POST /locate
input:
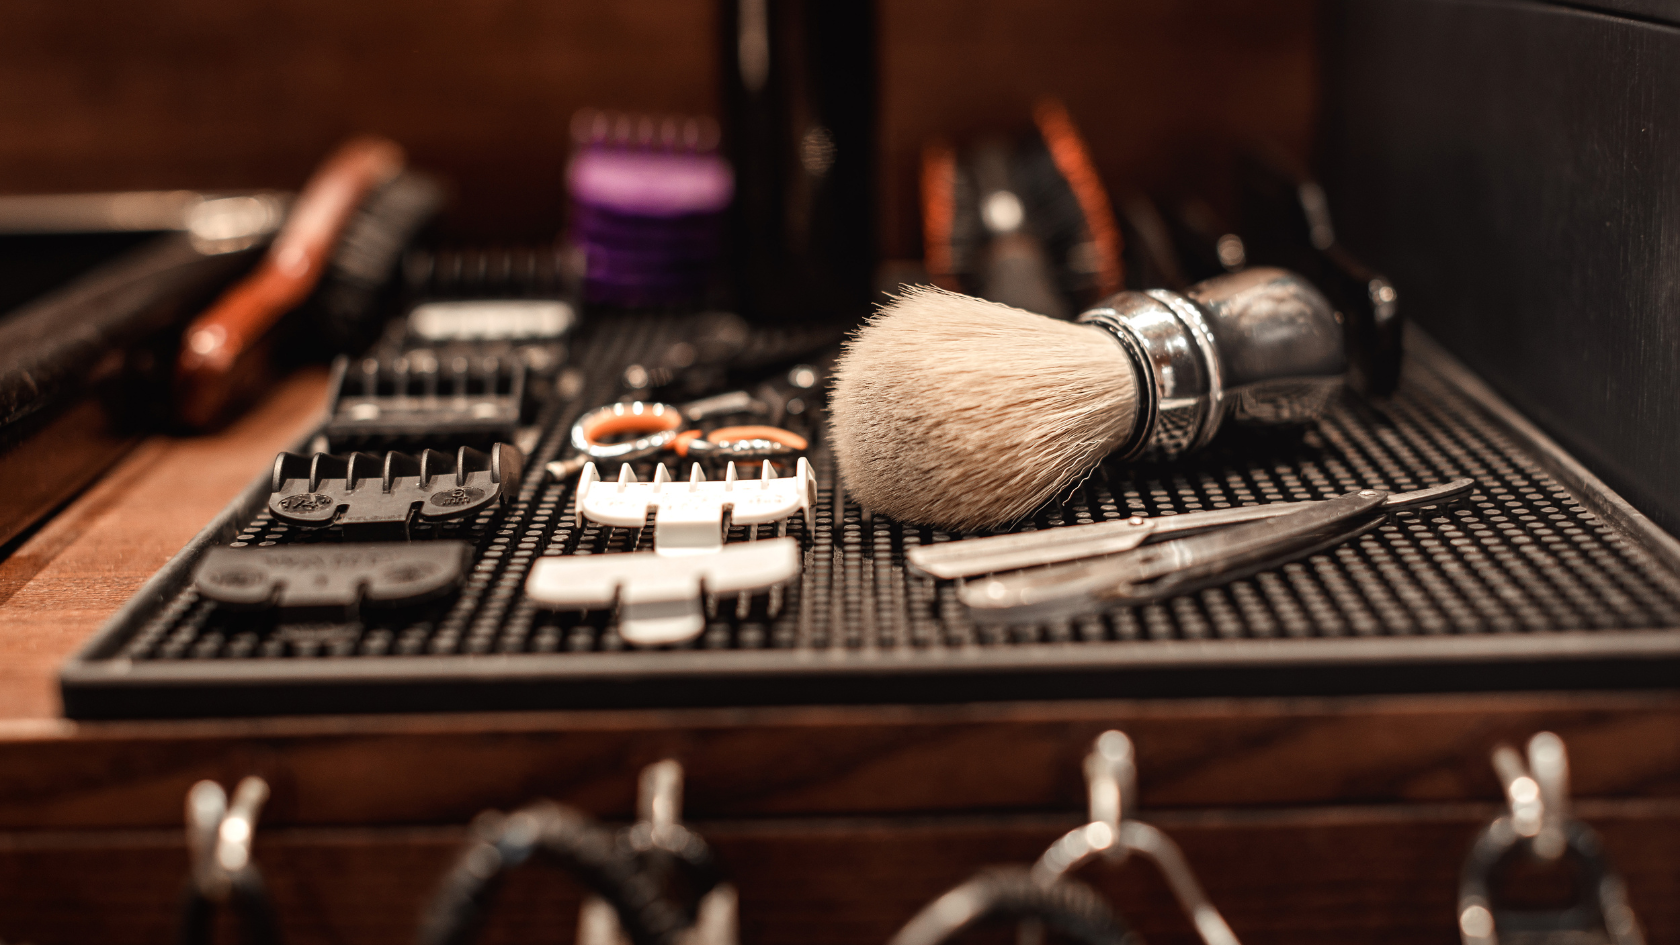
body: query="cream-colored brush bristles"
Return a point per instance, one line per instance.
(953, 411)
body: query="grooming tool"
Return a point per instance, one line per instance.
(657, 427)
(222, 349)
(648, 196)
(332, 576)
(1286, 222)
(1024, 222)
(1095, 262)
(952, 411)
(346, 308)
(220, 833)
(81, 361)
(524, 320)
(1174, 567)
(532, 331)
(1014, 267)
(508, 304)
(534, 272)
(217, 223)
(387, 403)
(1536, 827)
(368, 495)
(660, 598)
(691, 514)
(999, 553)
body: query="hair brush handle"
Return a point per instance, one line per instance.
(1260, 346)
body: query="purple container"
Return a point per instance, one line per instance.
(648, 223)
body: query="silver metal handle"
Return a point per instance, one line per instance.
(999, 553)
(1165, 569)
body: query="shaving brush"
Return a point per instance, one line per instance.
(952, 411)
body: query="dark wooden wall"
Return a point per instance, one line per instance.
(242, 93)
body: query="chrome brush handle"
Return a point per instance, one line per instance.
(1260, 346)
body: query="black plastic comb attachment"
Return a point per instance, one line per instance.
(334, 577)
(422, 397)
(371, 496)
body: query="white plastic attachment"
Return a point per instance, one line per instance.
(491, 319)
(660, 597)
(689, 515)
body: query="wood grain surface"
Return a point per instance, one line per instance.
(834, 760)
(1292, 877)
(61, 584)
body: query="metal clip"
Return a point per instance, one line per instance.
(661, 841)
(1111, 783)
(363, 491)
(219, 836)
(1537, 823)
(660, 598)
(690, 515)
(1048, 897)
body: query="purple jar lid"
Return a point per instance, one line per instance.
(651, 183)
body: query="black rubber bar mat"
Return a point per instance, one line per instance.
(1542, 578)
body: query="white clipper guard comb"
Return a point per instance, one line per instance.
(690, 514)
(659, 593)
(659, 598)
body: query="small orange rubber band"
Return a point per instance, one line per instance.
(650, 422)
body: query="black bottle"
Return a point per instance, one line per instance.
(799, 127)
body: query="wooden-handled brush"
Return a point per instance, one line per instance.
(953, 411)
(223, 346)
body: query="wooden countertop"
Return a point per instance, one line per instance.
(71, 575)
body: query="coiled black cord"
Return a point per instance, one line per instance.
(678, 861)
(561, 837)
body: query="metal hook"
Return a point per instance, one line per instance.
(659, 799)
(1537, 792)
(1537, 817)
(1111, 782)
(219, 838)
(1548, 765)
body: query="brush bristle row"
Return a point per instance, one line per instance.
(952, 411)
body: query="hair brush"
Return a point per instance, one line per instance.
(1022, 221)
(953, 411)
